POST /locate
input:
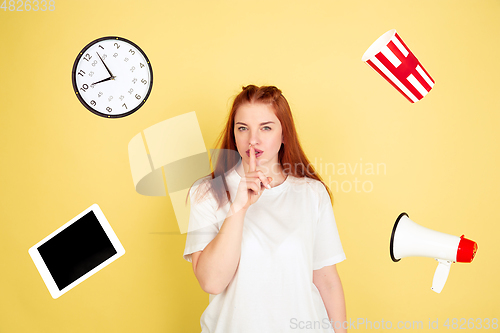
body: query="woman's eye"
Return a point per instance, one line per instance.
(267, 128)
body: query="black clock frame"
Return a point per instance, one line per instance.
(75, 87)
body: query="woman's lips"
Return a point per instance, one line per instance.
(257, 152)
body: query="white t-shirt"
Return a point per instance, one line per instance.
(289, 232)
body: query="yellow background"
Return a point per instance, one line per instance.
(440, 154)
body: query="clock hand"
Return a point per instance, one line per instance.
(111, 74)
(109, 78)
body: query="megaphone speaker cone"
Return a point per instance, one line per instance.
(393, 237)
(410, 239)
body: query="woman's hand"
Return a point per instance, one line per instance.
(252, 185)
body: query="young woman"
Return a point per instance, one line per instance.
(262, 235)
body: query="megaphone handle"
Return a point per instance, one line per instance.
(441, 275)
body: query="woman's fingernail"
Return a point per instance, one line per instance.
(268, 186)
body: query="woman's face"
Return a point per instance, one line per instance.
(257, 124)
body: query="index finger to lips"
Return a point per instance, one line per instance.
(253, 163)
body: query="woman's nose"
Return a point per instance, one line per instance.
(254, 139)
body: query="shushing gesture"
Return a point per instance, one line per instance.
(252, 184)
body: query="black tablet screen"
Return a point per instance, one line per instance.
(76, 250)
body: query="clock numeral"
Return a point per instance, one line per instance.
(132, 69)
(84, 87)
(137, 96)
(115, 55)
(144, 81)
(117, 46)
(126, 59)
(110, 98)
(101, 47)
(109, 109)
(91, 74)
(132, 51)
(99, 94)
(142, 65)
(130, 91)
(104, 56)
(121, 97)
(94, 63)
(134, 80)
(81, 72)
(93, 103)
(87, 57)
(125, 105)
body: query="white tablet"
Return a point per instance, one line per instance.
(75, 251)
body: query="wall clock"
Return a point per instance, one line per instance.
(112, 77)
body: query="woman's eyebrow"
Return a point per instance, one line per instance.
(265, 123)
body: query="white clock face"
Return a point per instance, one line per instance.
(112, 77)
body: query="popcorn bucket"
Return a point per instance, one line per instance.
(392, 59)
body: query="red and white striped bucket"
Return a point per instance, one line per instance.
(392, 59)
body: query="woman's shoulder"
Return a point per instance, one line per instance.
(201, 188)
(311, 183)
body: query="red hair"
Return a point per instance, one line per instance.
(290, 153)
